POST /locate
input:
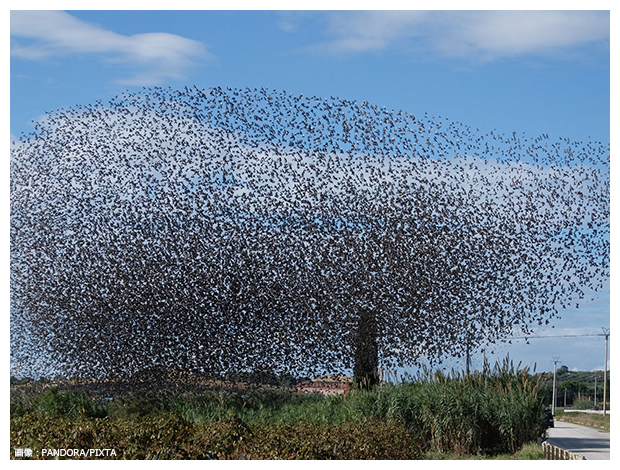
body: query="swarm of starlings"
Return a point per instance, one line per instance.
(225, 230)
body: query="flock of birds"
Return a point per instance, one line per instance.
(229, 230)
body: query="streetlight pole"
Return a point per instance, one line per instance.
(555, 366)
(606, 332)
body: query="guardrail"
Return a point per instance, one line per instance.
(556, 453)
(599, 412)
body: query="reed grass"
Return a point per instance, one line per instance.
(454, 413)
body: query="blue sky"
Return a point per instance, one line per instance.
(533, 72)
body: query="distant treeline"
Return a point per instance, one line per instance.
(573, 387)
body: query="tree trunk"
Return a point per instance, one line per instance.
(366, 366)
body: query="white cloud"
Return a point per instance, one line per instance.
(482, 35)
(367, 31)
(493, 34)
(289, 21)
(38, 35)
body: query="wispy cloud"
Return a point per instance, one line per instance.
(373, 30)
(479, 35)
(153, 57)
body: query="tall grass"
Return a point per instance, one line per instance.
(53, 402)
(495, 412)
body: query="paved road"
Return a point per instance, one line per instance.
(587, 442)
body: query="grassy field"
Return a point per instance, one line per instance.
(585, 419)
(434, 416)
(531, 451)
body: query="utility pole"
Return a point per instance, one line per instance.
(594, 389)
(555, 366)
(606, 332)
(467, 359)
(565, 398)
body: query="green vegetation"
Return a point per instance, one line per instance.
(577, 388)
(597, 421)
(531, 451)
(431, 416)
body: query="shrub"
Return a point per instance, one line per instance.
(583, 405)
(231, 438)
(491, 413)
(68, 404)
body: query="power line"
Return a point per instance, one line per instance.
(552, 336)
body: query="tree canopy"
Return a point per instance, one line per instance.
(229, 229)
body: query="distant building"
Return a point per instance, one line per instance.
(335, 384)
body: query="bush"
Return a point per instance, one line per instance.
(583, 405)
(231, 438)
(476, 413)
(352, 441)
(68, 404)
(140, 405)
(491, 413)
